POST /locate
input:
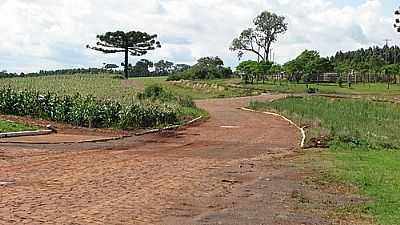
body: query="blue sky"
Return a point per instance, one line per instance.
(48, 34)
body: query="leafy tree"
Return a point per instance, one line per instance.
(136, 43)
(110, 66)
(391, 71)
(253, 70)
(259, 39)
(180, 68)
(308, 65)
(210, 61)
(376, 63)
(205, 68)
(142, 67)
(163, 68)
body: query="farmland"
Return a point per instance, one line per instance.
(111, 87)
(364, 142)
(283, 86)
(191, 120)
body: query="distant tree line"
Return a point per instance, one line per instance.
(146, 68)
(5, 74)
(390, 55)
(205, 68)
(143, 68)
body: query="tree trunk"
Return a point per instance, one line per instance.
(126, 70)
(268, 51)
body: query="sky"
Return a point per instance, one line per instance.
(47, 34)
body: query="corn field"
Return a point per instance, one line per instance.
(86, 111)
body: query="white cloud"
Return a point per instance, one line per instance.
(47, 34)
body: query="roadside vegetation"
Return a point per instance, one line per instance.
(153, 108)
(364, 141)
(8, 126)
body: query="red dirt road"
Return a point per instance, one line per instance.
(223, 171)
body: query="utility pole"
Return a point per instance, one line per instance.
(387, 41)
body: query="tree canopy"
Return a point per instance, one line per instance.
(135, 43)
(205, 68)
(163, 67)
(259, 39)
(250, 70)
(307, 65)
(397, 21)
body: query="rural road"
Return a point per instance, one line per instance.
(223, 171)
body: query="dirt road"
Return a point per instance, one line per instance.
(223, 171)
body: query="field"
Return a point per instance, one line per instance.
(363, 135)
(363, 151)
(110, 90)
(376, 89)
(111, 87)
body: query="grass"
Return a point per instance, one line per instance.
(379, 89)
(206, 89)
(369, 158)
(8, 126)
(359, 122)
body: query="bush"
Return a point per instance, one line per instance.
(312, 90)
(156, 92)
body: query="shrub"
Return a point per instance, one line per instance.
(312, 90)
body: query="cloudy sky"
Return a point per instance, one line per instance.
(49, 34)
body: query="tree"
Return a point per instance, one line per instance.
(397, 21)
(142, 67)
(276, 70)
(180, 68)
(258, 40)
(110, 66)
(135, 43)
(253, 70)
(391, 71)
(163, 67)
(210, 61)
(295, 70)
(205, 68)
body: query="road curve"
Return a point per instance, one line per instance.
(213, 173)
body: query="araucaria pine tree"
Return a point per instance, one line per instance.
(135, 43)
(397, 24)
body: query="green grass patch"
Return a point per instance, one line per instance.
(206, 89)
(378, 89)
(8, 126)
(364, 151)
(359, 122)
